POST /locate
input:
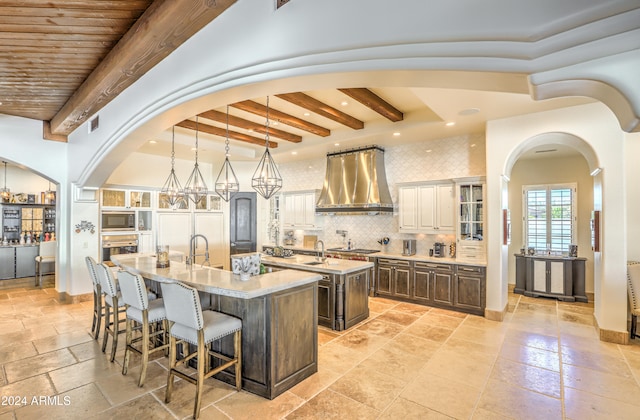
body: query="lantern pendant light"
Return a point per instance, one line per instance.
(227, 182)
(5, 193)
(49, 195)
(172, 190)
(196, 188)
(266, 179)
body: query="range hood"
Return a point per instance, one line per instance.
(355, 183)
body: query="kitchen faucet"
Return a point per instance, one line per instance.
(316, 248)
(192, 250)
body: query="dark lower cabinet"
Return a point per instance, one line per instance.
(432, 283)
(450, 286)
(356, 298)
(394, 277)
(470, 293)
(326, 301)
(343, 299)
(560, 278)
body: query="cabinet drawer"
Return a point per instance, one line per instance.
(468, 269)
(434, 266)
(397, 263)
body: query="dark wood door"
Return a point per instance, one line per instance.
(243, 235)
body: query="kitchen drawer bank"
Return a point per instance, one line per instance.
(439, 282)
(278, 312)
(342, 292)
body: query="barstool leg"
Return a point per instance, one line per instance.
(116, 329)
(100, 310)
(172, 366)
(202, 355)
(237, 349)
(107, 320)
(128, 340)
(145, 347)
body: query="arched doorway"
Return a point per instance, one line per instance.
(553, 161)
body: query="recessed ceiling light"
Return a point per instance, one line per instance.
(469, 111)
(294, 153)
(152, 141)
(428, 150)
(396, 134)
(344, 103)
(336, 144)
(450, 124)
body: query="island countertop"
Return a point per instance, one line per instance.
(214, 280)
(309, 263)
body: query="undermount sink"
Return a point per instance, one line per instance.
(313, 263)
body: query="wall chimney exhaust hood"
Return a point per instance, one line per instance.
(355, 183)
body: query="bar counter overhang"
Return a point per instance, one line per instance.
(278, 312)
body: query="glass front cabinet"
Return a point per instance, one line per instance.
(471, 223)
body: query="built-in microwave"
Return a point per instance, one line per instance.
(118, 221)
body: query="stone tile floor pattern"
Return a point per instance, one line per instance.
(405, 362)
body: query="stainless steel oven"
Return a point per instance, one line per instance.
(118, 244)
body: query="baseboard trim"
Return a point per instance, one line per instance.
(499, 316)
(67, 298)
(610, 336)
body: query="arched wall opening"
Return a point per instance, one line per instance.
(29, 190)
(573, 163)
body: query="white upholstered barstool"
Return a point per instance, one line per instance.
(633, 291)
(113, 308)
(188, 323)
(46, 254)
(98, 304)
(146, 314)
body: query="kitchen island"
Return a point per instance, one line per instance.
(278, 312)
(342, 292)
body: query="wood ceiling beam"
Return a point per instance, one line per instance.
(376, 103)
(281, 117)
(307, 102)
(217, 131)
(152, 38)
(234, 121)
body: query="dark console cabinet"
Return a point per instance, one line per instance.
(548, 276)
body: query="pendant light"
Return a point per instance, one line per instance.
(196, 188)
(227, 182)
(49, 195)
(266, 179)
(5, 193)
(172, 190)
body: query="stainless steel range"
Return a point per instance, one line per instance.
(357, 254)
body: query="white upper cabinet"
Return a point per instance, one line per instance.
(299, 210)
(471, 223)
(126, 199)
(426, 208)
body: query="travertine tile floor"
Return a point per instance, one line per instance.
(405, 362)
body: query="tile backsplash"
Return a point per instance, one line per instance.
(454, 157)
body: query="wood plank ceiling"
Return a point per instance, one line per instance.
(61, 61)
